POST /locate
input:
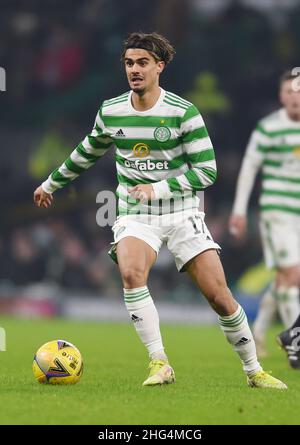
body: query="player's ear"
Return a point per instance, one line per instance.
(160, 66)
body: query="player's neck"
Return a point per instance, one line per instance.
(294, 116)
(147, 100)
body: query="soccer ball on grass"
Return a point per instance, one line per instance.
(58, 362)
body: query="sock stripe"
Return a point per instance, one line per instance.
(233, 325)
(141, 294)
(236, 321)
(132, 300)
(133, 295)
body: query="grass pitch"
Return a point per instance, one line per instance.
(211, 387)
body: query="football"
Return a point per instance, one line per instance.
(58, 362)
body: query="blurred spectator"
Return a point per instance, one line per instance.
(24, 264)
(61, 61)
(74, 265)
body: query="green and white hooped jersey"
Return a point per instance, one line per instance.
(275, 143)
(167, 145)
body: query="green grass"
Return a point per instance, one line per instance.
(210, 388)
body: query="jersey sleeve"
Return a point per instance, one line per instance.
(200, 157)
(251, 163)
(87, 152)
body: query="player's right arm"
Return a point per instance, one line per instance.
(93, 147)
(251, 163)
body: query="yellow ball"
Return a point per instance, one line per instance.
(58, 362)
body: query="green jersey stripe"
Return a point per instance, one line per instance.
(169, 102)
(174, 185)
(202, 156)
(281, 178)
(211, 173)
(74, 167)
(190, 113)
(142, 121)
(277, 148)
(133, 202)
(272, 163)
(60, 179)
(268, 207)
(193, 179)
(283, 132)
(105, 104)
(156, 203)
(128, 144)
(289, 194)
(118, 97)
(177, 100)
(132, 182)
(175, 96)
(198, 133)
(80, 149)
(95, 143)
(98, 129)
(121, 97)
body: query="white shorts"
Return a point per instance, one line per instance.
(281, 240)
(185, 234)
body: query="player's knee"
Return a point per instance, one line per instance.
(220, 299)
(133, 277)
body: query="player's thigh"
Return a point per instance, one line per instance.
(280, 240)
(135, 254)
(207, 272)
(136, 243)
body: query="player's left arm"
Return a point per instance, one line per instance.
(200, 156)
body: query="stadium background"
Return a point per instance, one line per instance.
(62, 59)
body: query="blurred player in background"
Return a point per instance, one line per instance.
(274, 147)
(163, 156)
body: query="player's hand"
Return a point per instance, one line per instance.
(42, 198)
(238, 226)
(142, 192)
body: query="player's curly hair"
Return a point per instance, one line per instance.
(154, 43)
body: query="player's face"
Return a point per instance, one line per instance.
(142, 70)
(290, 98)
